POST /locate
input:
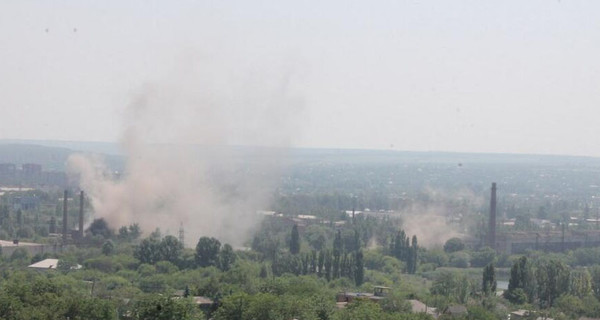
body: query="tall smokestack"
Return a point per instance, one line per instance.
(64, 235)
(492, 223)
(81, 214)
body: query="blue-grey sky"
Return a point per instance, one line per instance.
(474, 76)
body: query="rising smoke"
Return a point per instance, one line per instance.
(443, 215)
(178, 168)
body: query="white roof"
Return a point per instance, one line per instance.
(49, 264)
(45, 264)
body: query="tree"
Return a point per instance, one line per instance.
(359, 273)
(226, 257)
(148, 251)
(337, 252)
(134, 231)
(595, 273)
(170, 249)
(453, 245)
(108, 247)
(489, 280)
(207, 252)
(580, 284)
(552, 280)
(100, 227)
(316, 235)
(483, 257)
(295, 240)
(411, 261)
(166, 308)
(522, 281)
(123, 233)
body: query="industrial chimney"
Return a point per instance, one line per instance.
(492, 223)
(81, 214)
(64, 231)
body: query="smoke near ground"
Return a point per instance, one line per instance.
(178, 171)
(444, 215)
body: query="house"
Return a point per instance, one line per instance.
(455, 310)
(518, 314)
(379, 293)
(48, 264)
(419, 307)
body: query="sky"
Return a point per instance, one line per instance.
(464, 76)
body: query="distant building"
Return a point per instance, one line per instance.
(553, 241)
(8, 247)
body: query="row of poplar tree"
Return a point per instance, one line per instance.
(329, 263)
(403, 249)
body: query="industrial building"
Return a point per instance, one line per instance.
(517, 242)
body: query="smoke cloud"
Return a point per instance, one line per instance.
(442, 215)
(178, 170)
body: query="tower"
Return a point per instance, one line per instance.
(65, 225)
(492, 223)
(181, 234)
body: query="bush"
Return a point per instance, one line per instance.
(454, 245)
(460, 260)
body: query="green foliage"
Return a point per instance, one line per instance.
(295, 240)
(148, 251)
(483, 257)
(359, 274)
(595, 278)
(522, 278)
(489, 280)
(454, 245)
(580, 283)
(207, 252)
(170, 249)
(460, 259)
(316, 236)
(226, 257)
(552, 278)
(452, 285)
(108, 247)
(166, 308)
(99, 227)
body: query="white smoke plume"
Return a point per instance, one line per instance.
(177, 168)
(444, 215)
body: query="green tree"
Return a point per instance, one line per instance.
(123, 233)
(100, 227)
(108, 247)
(521, 277)
(454, 245)
(552, 280)
(295, 240)
(580, 283)
(148, 251)
(359, 273)
(337, 253)
(226, 257)
(207, 252)
(595, 274)
(134, 231)
(158, 307)
(170, 249)
(316, 236)
(489, 280)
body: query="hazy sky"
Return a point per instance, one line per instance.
(477, 76)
